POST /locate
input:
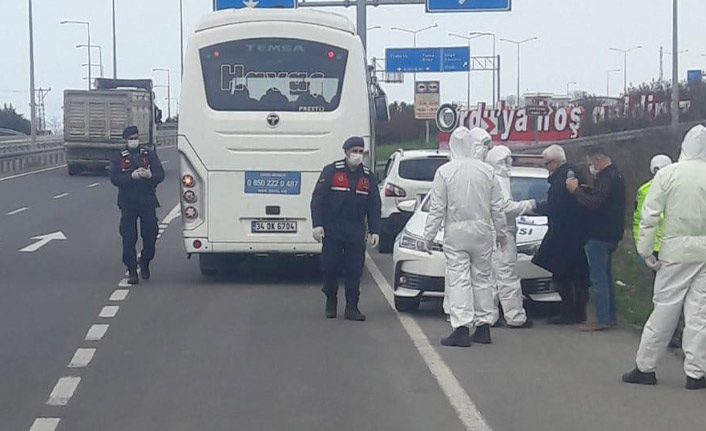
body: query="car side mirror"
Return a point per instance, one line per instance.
(407, 206)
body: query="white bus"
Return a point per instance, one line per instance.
(269, 97)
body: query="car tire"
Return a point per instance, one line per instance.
(407, 305)
(387, 243)
(74, 169)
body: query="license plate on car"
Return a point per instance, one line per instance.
(274, 227)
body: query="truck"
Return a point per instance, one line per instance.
(94, 121)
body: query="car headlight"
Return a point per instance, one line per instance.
(530, 248)
(413, 242)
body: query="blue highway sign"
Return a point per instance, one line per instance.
(414, 60)
(469, 5)
(254, 4)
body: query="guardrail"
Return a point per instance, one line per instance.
(24, 147)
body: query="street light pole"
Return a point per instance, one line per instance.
(607, 91)
(625, 63)
(100, 55)
(495, 57)
(468, 39)
(181, 35)
(519, 44)
(32, 101)
(169, 89)
(675, 65)
(88, 27)
(115, 49)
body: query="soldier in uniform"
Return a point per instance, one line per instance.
(344, 208)
(136, 173)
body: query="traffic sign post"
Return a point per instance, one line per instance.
(427, 99)
(440, 6)
(254, 4)
(416, 60)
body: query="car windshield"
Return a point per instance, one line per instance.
(421, 169)
(523, 188)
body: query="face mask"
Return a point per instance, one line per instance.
(355, 159)
(593, 170)
(132, 144)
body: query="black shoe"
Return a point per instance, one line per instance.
(562, 321)
(460, 337)
(695, 384)
(500, 323)
(639, 378)
(132, 276)
(482, 335)
(528, 324)
(331, 307)
(352, 313)
(145, 271)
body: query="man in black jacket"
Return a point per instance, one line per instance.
(562, 250)
(345, 198)
(605, 202)
(136, 172)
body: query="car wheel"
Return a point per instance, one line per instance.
(74, 169)
(407, 305)
(387, 243)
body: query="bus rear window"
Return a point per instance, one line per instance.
(273, 74)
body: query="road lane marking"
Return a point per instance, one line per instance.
(123, 282)
(43, 240)
(96, 332)
(63, 391)
(82, 358)
(90, 186)
(466, 410)
(163, 225)
(119, 295)
(17, 211)
(166, 162)
(62, 195)
(45, 424)
(32, 173)
(109, 311)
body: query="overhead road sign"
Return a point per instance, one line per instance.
(254, 4)
(694, 76)
(417, 60)
(440, 6)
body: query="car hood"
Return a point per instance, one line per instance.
(530, 229)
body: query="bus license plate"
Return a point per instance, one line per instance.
(273, 183)
(274, 227)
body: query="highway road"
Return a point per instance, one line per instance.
(79, 351)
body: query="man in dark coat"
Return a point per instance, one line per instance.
(562, 251)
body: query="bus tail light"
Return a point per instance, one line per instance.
(190, 196)
(393, 191)
(191, 213)
(197, 244)
(188, 181)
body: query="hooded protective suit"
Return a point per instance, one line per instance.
(679, 193)
(483, 142)
(508, 289)
(466, 197)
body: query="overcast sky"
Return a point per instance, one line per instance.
(575, 37)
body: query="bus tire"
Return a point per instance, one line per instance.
(207, 265)
(74, 169)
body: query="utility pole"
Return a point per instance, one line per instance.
(675, 65)
(41, 108)
(661, 64)
(362, 22)
(32, 103)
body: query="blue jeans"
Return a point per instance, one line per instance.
(600, 259)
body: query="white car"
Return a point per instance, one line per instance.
(420, 276)
(408, 176)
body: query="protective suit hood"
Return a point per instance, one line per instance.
(694, 145)
(462, 144)
(497, 159)
(479, 136)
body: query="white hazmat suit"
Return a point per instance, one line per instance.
(466, 197)
(508, 289)
(679, 193)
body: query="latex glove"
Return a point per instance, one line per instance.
(374, 240)
(502, 242)
(146, 174)
(319, 233)
(572, 184)
(652, 263)
(426, 247)
(136, 174)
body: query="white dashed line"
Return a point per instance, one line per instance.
(17, 211)
(63, 195)
(166, 162)
(96, 332)
(82, 358)
(163, 225)
(90, 186)
(32, 173)
(119, 295)
(123, 282)
(466, 410)
(109, 311)
(45, 424)
(63, 391)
